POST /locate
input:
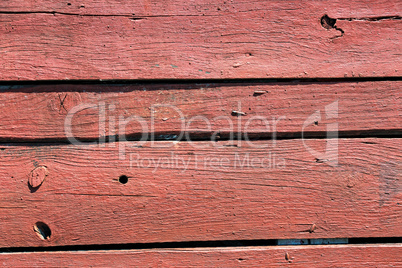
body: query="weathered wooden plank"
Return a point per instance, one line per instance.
(41, 112)
(50, 40)
(382, 255)
(183, 191)
(337, 8)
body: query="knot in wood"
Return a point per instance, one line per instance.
(37, 176)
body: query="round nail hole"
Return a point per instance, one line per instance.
(123, 179)
(42, 230)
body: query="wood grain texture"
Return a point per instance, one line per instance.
(51, 40)
(182, 191)
(40, 112)
(299, 256)
(354, 8)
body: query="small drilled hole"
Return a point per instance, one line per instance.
(42, 230)
(123, 179)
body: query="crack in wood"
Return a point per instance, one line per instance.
(130, 16)
(330, 23)
(372, 18)
(62, 102)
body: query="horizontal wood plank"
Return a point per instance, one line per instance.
(41, 112)
(52, 40)
(202, 191)
(289, 256)
(337, 8)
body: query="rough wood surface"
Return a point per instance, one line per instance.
(354, 8)
(53, 40)
(181, 191)
(40, 112)
(283, 256)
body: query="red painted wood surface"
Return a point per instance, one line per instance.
(355, 8)
(298, 256)
(40, 112)
(57, 194)
(200, 191)
(52, 40)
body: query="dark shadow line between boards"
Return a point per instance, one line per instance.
(207, 137)
(166, 84)
(191, 245)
